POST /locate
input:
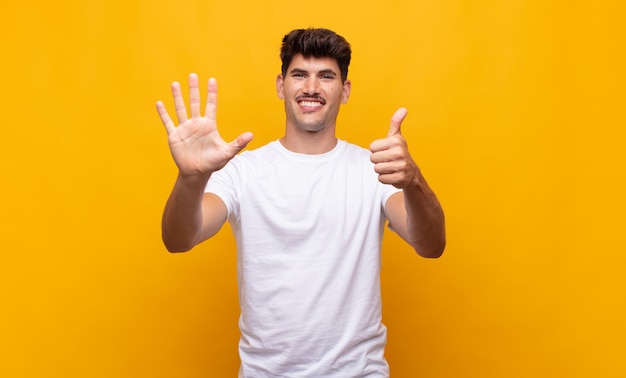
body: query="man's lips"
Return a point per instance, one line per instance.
(309, 102)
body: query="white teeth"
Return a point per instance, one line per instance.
(310, 103)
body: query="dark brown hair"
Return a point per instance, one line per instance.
(318, 43)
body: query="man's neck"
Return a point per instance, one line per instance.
(309, 142)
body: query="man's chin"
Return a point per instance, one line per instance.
(311, 127)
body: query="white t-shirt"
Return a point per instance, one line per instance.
(309, 231)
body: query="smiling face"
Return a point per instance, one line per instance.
(312, 90)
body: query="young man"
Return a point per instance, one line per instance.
(308, 214)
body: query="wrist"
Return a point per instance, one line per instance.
(416, 184)
(193, 180)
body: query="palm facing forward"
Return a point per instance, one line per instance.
(195, 144)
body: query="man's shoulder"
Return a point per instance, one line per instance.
(355, 152)
(256, 153)
(355, 148)
(265, 148)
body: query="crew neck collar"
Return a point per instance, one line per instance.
(339, 147)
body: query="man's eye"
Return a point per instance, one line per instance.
(299, 74)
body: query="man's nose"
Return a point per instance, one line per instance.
(311, 86)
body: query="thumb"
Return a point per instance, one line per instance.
(396, 121)
(241, 142)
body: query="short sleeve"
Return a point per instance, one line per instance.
(224, 184)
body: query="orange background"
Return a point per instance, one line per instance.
(517, 118)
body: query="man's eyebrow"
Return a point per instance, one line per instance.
(328, 71)
(297, 70)
(325, 71)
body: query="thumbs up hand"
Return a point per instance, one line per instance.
(391, 157)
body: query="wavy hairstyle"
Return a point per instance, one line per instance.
(318, 43)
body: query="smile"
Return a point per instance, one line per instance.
(310, 104)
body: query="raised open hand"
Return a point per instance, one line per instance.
(195, 144)
(391, 157)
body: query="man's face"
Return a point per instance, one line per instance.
(312, 91)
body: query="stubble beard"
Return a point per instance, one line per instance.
(315, 125)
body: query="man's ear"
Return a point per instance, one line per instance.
(279, 87)
(347, 86)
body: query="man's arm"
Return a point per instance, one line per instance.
(415, 214)
(190, 215)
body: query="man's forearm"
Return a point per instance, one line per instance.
(425, 219)
(182, 217)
